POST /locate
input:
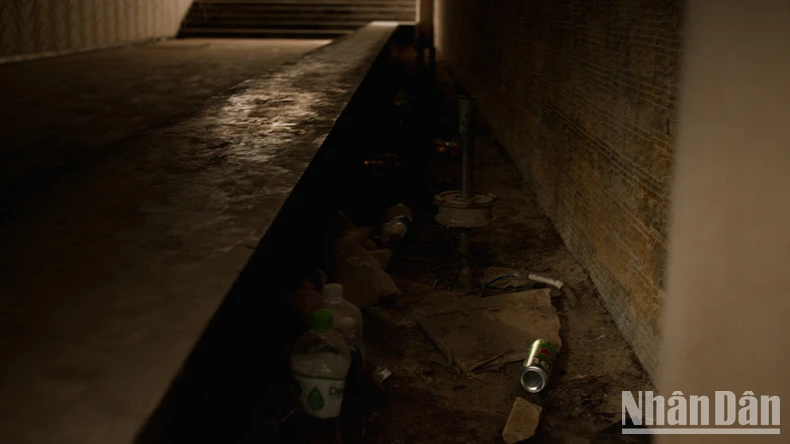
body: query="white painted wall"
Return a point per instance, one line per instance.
(728, 300)
(35, 28)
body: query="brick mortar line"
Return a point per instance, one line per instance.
(605, 72)
(635, 222)
(651, 234)
(650, 135)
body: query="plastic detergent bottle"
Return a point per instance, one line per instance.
(347, 318)
(319, 364)
(348, 323)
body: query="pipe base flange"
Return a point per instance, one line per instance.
(458, 212)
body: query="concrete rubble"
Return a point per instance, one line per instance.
(354, 262)
(364, 281)
(522, 421)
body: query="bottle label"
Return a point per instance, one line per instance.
(320, 397)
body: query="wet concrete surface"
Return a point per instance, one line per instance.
(130, 205)
(56, 112)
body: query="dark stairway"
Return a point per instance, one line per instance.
(290, 18)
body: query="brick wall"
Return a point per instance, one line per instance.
(583, 94)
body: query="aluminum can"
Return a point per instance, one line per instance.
(536, 369)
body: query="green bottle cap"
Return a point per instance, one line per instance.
(322, 319)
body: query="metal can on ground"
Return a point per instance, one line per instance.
(536, 369)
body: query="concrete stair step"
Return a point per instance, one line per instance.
(410, 3)
(301, 8)
(290, 17)
(340, 9)
(350, 16)
(252, 24)
(262, 21)
(265, 33)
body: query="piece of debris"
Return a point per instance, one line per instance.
(522, 421)
(374, 416)
(475, 376)
(369, 245)
(578, 377)
(380, 376)
(353, 264)
(344, 239)
(349, 244)
(395, 225)
(426, 375)
(471, 331)
(364, 280)
(383, 257)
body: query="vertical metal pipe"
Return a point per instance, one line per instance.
(466, 118)
(465, 268)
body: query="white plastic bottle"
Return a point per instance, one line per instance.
(347, 317)
(319, 364)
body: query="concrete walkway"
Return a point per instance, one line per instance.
(135, 187)
(55, 113)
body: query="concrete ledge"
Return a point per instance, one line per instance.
(100, 308)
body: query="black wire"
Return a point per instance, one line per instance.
(457, 272)
(484, 285)
(458, 267)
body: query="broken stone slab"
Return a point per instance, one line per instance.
(522, 421)
(472, 331)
